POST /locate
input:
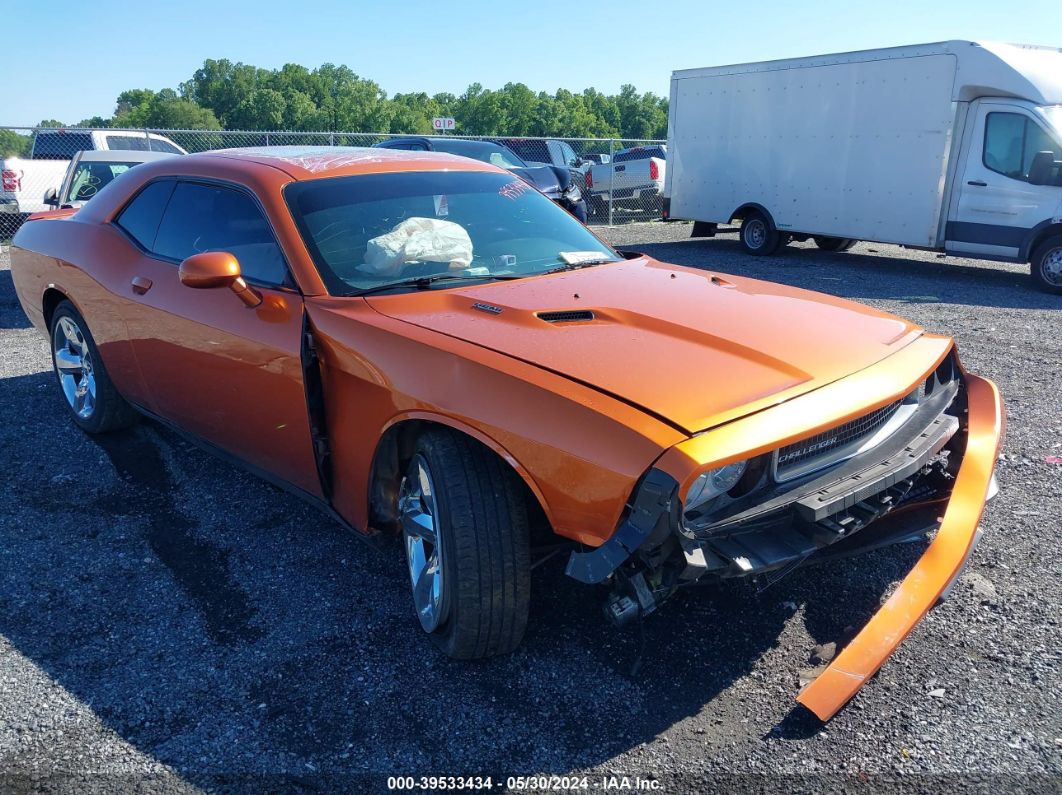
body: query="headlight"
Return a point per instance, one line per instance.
(713, 483)
(573, 194)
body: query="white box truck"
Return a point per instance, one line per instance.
(954, 146)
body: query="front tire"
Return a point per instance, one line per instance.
(835, 243)
(465, 532)
(1046, 265)
(758, 235)
(89, 393)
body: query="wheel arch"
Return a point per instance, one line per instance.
(1037, 235)
(743, 212)
(395, 446)
(50, 300)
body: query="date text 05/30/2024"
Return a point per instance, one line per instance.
(608, 783)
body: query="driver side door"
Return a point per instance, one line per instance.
(998, 206)
(229, 374)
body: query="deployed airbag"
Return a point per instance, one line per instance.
(418, 240)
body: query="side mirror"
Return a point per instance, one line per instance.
(1040, 170)
(217, 269)
(51, 197)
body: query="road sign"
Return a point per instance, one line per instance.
(443, 123)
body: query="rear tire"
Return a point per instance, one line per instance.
(1046, 265)
(88, 391)
(758, 235)
(835, 243)
(464, 521)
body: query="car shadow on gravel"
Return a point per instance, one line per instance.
(11, 314)
(224, 628)
(862, 274)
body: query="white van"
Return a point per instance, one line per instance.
(954, 146)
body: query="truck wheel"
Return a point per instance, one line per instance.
(465, 531)
(90, 395)
(834, 243)
(758, 236)
(1046, 265)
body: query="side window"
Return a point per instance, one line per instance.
(212, 218)
(1012, 141)
(1037, 140)
(570, 158)
(91, 178)
(140, 218)
(556, 154)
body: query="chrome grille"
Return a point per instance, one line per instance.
(800, 454)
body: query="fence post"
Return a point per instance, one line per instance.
(267, 139)
(147, 138)
(611, 175)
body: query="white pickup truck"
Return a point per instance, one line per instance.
(633, 180)
(25, 181)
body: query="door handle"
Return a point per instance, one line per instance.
(140, 285)
(978, 183)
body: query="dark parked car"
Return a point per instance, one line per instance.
(554, 181)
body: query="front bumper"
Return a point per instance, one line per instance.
(773, 547)
(935, 571)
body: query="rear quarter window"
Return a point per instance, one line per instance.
(140, 218)
(60, 145)
(641, 153)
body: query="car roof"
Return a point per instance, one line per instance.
(123, 156)
(312, 162)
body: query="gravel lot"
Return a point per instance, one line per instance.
(169, 621)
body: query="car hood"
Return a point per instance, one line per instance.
(542, 177)
(693, 348)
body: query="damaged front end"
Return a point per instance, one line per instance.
(879, 477)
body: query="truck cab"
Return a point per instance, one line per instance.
(1009, 192)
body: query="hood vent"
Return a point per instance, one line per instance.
(567, 316)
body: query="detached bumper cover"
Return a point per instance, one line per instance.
(941, 564)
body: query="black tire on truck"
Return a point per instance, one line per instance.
(834, 243)
(465, 531)
(1046, 265)
(758, 235)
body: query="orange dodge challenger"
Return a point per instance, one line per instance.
(425, 346)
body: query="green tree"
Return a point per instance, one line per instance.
(262, 109)
(131, 100)
(224, 94)
(162, 110)
(521, 107)
(50, 123)
(13, 144)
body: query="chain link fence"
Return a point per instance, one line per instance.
(620, 180)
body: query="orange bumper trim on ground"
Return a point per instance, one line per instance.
(941, 564)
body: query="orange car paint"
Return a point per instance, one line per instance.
(681, 370)
(935, 570)
(808, 414)
(656, 325)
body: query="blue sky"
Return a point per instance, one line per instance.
(70, 60)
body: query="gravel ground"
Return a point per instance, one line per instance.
(169, 622)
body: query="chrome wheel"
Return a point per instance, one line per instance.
(73, 366)
(755, 233)
(424, 553)
(1051, 267)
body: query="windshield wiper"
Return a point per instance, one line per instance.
(424, 282)
(574, 266)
